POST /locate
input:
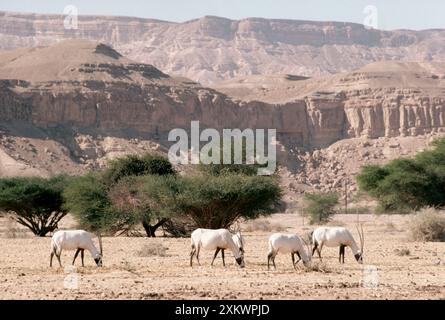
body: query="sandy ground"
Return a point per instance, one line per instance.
(128, 274)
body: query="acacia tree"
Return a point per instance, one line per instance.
(407, 184)
(148, 199)
(218, 201)
(35, 203)
(114, 200)
(321, 207)
(87, 199)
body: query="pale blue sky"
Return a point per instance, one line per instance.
(392, 14)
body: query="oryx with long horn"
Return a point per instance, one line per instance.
(338, 237)
(78, 240)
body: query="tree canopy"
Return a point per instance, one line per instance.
(36, 203)
(407, 184)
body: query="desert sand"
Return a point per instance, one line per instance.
(132, 271)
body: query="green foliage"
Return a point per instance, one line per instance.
(36, 203)
(134, 165)
(231, 168)
(147, 199)
(404, 185)
(218, 201)
(146, 190)
(320, 207)
(116, 199)
(87, 199)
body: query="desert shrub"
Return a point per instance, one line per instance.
(317, 266)
(358, 210)
(263, 225)
(402, 252)
(35, 203)
(320, 207)
(153, 249)
(428, 225)
(179, 226)
(404, 185)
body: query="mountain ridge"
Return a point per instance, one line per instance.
(212, 49)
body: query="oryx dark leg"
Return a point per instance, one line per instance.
(82, 256)
(222, 254)
(341, 257)
(315, 247)
(214, 257)
(299, 257)
(58, 258)
(75, 255)
(197, 254)
(192, 253)
(319, 251)
(269, 257)
(51, 259)
(293, 260)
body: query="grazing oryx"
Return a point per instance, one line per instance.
(338, 237)
(79, 240)
(239, 241)
(219, 239)
(287, 243)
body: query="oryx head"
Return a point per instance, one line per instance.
(359, 255)
(98, 257)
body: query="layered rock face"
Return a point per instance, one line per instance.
(91, 87)
(212, 49)
(84, 86)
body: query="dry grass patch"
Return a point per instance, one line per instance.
(402, 252)
(428, 225)
(317, 267)
(263, 225)
(153, 249)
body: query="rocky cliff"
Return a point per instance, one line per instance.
(73, 105)
(212, 49)
(91, 87)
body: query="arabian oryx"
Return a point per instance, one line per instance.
(219, 239)
(79, 240)
(287, 243)
(338, 237)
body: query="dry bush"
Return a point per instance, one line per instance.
(317, 267)
(13, 231)
(179, 227)
(262, 225)
(428, 225)
(402, 252)
(153, 249)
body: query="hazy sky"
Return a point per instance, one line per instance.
(392, 14)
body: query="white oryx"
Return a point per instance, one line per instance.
(338, 237)
(79, 240)
(239, 241)
(219, 239)
(287, 243)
